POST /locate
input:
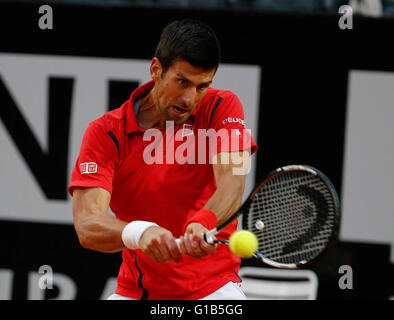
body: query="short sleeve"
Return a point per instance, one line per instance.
(230, 127)
(96, 161)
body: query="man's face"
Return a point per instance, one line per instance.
(179, 90)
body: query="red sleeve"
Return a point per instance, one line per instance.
(96, 161)
(229, 124)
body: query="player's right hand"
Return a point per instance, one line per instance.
(193, 244)
(159, 244)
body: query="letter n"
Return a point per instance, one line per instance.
(48, 167)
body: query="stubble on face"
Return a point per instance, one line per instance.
(166, 104)
(178, 91)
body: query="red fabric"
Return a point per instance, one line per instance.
(205, 217)
(169, 193)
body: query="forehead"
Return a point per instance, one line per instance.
(184, 69)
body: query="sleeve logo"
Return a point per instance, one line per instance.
(88, 167)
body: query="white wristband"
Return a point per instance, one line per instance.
(132, 233)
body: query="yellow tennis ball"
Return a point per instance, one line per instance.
(243, 243)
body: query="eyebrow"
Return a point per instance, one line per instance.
(187, 79)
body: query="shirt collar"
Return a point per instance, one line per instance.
(131, 119)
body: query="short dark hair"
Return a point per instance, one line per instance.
(190, 40)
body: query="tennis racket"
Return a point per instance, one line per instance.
(294, 213)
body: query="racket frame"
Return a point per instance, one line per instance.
(334, 232)
(209, 236)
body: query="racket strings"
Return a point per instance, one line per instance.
(298, 214)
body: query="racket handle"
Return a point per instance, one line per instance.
(178, 241)
(209, 236)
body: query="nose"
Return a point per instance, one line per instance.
(189, 97)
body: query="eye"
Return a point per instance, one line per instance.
(182, 82)
(203, 87)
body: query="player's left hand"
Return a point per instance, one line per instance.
(193, 244)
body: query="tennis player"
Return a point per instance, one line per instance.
(156, 202)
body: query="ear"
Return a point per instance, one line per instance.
(155, 69)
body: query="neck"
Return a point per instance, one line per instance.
(149, 115)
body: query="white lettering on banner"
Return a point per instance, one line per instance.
(109, 288)
(6, 279)
(368, 175)
(67, 288)
(25, 78)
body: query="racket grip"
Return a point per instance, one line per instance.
(208, 237)
(178, 241)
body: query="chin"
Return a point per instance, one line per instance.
(181, 121)
(177, 122)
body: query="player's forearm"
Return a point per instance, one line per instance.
(227, 198)
(96, 229)
(101, 233)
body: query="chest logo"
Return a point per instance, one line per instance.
(187, 130)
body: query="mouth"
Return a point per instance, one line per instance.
(179, 112)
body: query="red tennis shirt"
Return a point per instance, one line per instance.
(164, 176)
